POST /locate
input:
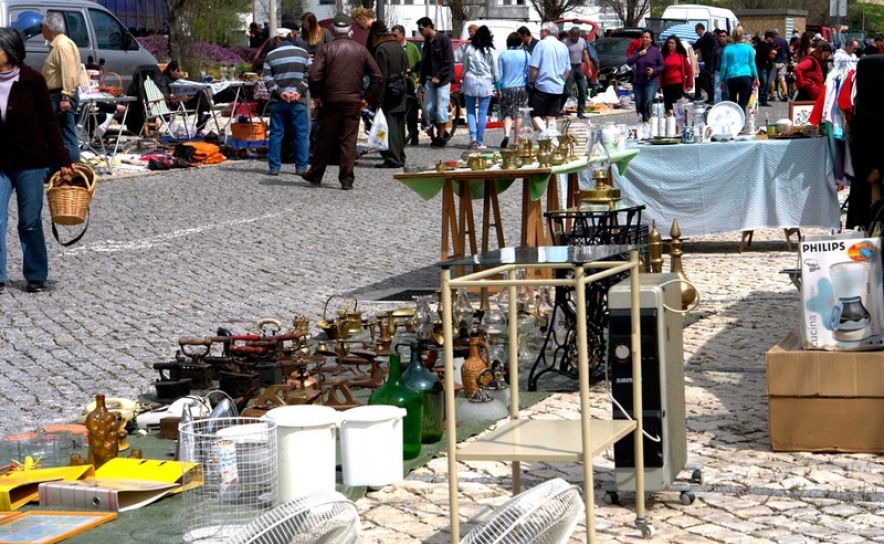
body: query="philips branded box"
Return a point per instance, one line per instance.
(842, 297)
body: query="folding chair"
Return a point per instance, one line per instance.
(158, 117)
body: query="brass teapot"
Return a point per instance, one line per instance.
(347, 322)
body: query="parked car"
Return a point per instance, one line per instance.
(612, 60)
(95, 30)
(588, 29)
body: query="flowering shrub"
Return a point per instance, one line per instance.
(215, 53)
(157, 44)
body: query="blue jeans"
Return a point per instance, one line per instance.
(763, 85)
(67, 122)
(644, 96)
(294, 116)
(436, 102)
(577, 76)
(477, 130)
(28, 187)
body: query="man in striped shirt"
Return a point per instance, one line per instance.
(285, 75)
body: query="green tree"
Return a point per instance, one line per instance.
(210, 21)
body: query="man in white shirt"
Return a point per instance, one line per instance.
(548, 70)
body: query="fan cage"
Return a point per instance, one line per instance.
(238, 457)
(322, 517)
(544, 514)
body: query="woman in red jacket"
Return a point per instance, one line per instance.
(677, 73)
(809, 76)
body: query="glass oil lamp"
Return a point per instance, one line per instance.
(603, 194)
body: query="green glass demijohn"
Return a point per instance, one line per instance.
(419, 378)
(395, 393)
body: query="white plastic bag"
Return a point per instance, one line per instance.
(378, 137)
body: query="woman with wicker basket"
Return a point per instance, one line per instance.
(30, 141)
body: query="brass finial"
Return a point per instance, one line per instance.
(655, 248)
(688, 293)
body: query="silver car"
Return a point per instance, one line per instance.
(93, 28)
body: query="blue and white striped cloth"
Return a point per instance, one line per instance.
(719, 188)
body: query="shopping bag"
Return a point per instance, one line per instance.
(378, 136)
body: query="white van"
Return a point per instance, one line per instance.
(712, 17)
(93, 28)
(500, 29)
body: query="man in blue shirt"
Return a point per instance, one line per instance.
(548, 70)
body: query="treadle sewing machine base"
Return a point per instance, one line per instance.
(584, 227)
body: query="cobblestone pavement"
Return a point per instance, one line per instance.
(184, 252)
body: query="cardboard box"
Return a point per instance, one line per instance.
(825, 400)
(842, 293)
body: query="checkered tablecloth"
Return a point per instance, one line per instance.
(718, 188)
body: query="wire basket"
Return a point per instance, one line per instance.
(544, 514)
(69, 199)
(239, 474)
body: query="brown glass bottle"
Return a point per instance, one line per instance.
(103, 440)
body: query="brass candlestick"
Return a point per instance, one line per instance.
(603, 194)
(688, 293)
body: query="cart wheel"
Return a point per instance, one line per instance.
(697, 476)
(646, 528)
(687, 497)
(611, 497)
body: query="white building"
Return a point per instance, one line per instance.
(407, 12)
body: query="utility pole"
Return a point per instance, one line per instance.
(379, 12)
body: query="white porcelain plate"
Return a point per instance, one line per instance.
(726, 118)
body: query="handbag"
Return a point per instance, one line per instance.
(378, 136)
(397, 87)
(261, 92)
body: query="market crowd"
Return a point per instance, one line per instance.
(362, 68)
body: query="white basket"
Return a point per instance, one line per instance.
(239, 472)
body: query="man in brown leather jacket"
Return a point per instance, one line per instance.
(337, 85)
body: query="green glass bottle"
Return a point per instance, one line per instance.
(395, 393)
(419, 378)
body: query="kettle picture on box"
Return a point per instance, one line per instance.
(842, 294)
(850, 319)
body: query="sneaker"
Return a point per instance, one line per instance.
(505, 142)
(581, 116)
(35, 287)
(2, 286)
(437, 143)
(273, 173)
(481, 146)
(472, 144)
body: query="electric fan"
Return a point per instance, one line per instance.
(544, 514)
(322, 517)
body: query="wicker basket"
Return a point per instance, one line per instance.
(116, 88)
(69, 199)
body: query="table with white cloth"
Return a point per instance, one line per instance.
(724, 187)
(183, 87)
